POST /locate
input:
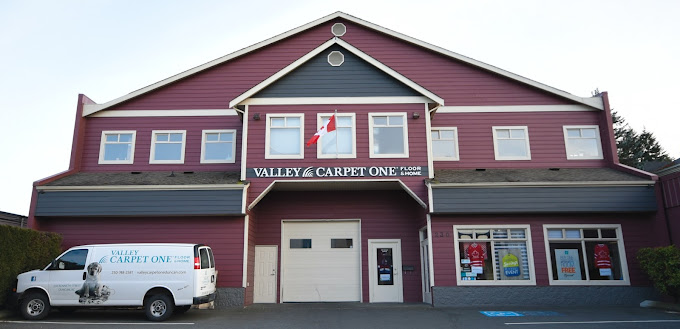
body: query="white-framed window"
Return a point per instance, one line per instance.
(343, 139)
(582, 142)
(511, 143)
(117, 147)
(494, 255)
(284, 137)
(388, 135)
(585, 254)
(218, 146)
(167, 146)
(444, 143)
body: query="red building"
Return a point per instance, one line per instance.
(447, 180)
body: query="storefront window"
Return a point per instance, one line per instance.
(586, 254)
(494, 255)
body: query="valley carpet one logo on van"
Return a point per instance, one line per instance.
(133, 257)
(313, 172)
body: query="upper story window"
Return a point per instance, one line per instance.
(117, 147)
(167, 146)
(586, 254)
(340, 143)
(444, 143)
(218, 146)
(494, 255)
(582, 142)
(388, 135)
(511, 143)
(284, 137)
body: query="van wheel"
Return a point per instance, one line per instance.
(158, 307)
(35, 306)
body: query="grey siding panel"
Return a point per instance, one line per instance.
(139, 203)
(544, 199)
(354, 78)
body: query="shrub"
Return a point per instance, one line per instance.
(662, 265)
(23, 250)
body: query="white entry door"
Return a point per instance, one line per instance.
(425, 270)
(384, 271)
(265, 274)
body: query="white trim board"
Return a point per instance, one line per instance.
(595, 102)
(544, 184)
(515, 108)
(292, 66)
(336, 100)
(163, 113)
(203, 187)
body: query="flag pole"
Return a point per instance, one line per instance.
(335, 118)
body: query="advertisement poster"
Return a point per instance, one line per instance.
(510, 269)
(568, 264)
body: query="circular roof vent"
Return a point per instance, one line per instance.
(339, 29)
(336, 58)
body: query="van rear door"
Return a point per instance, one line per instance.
(205, 278)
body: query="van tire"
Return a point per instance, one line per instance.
(158, 307)
(35, 306)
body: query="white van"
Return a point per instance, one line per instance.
(162, 278)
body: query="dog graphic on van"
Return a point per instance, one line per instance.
(93, 292)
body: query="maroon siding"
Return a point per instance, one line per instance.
(252, 231)
(638, 232)
(384, 215)
(546, 138)
(144, 125)
(223, 234)
(671, 201)
(456, 82)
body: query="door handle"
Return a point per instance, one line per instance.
(84, 275)
(212, 279)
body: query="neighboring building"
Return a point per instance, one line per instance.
(669, 177)
(448, 181)
(12, 219)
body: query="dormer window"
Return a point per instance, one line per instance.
(582, 142)
(511, 143)
(117, 147)
(167, 146)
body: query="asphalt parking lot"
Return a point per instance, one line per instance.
(367, 316)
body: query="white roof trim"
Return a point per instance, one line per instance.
(202, 187)
(515, 108)
(271, 187)
(336, 100)
(163, 113)
(595, 102)
(543, 184)
(292, 66)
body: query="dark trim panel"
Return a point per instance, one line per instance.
(140, 203)
(460, 200)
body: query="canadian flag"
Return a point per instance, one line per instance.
(327, 127)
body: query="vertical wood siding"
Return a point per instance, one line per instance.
(670, 185)
(144, 126)
(384, 215)
(638, 232)
(546, 138)
(223, 234)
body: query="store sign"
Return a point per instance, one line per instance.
(324, 172)
(568, 264)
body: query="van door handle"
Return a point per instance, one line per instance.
(84, 274)
(212, 279)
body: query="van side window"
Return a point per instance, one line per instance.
(212, 258)
(72, 260)
(205, 259)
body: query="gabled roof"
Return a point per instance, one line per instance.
(594, 102)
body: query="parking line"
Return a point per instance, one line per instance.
(589, 322)
(103, 323)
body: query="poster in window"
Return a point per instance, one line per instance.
(568, 264)
(509, 261)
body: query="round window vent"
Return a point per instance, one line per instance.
(339, 29)
(336, 58)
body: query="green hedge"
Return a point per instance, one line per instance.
(662, 265)
(23, 250)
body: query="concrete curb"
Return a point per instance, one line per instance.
(660, 305)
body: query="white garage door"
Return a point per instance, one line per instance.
(321, 262)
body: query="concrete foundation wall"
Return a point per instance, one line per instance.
(543, 296)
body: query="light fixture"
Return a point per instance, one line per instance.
(416, 115)
(256, 116)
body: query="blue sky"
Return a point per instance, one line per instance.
(50, 51)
